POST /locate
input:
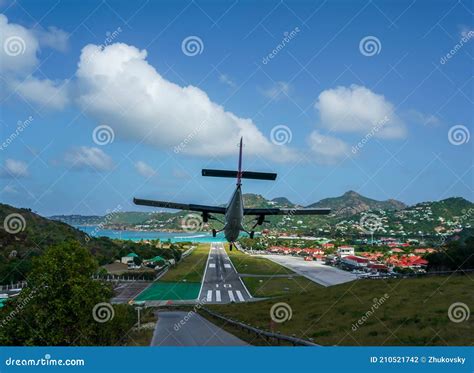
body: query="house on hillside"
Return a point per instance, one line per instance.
(128, 258)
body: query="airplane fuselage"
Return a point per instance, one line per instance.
(234, 216)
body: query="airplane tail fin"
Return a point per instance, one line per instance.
(239, 174)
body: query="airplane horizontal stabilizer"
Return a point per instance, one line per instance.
(245, 174)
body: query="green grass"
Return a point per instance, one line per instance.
(170, 291)
(248, 264)
(270, 287)
(415, 312)
(190, 269)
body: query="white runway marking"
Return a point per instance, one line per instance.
(226, 265)
(218, 295)
(212, 265)
(231, 296)
(239, 295)
(227, 285)
(209, 296)
(217, 285)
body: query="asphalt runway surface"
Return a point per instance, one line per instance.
(181, 328)
(320, 273)
(221, 282)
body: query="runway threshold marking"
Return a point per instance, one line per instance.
(218, 295)
(239, 295)
(231, 296)
(209, 296)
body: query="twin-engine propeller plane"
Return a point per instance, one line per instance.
(235, 211)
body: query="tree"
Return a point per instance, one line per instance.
(56, 308)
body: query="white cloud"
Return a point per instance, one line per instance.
(119, 87)
(327, 149)
(19, 46)
(14, 168)
(277, 91)
(144, 169)
(53, 38)
(223, 78)
(429, 120)
(9, 190)
(88, 157)
(358, 109)
(19, 49)
(44, 92)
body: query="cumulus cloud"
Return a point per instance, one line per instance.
(277, 90)
(327, 149)
(19, 51)
(358, 109)
(119, 87)
(144, 169)
(44, 92)
(88, 157)
(14, 168)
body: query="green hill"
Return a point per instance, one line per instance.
(25, 235)
(351, 203)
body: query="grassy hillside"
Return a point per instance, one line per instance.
(33, 234)
(414, 312)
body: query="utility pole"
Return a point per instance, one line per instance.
(138, 311)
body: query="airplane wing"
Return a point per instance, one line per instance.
(286, 211)
(180, 206)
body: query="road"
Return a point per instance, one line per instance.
(221, 282)
(180, 328)
(320, 273)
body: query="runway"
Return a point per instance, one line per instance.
(180, 328)
(221, 282)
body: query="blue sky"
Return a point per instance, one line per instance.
(69, 68)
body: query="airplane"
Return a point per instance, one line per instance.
(235, 211)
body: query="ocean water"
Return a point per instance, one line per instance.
(95, 231)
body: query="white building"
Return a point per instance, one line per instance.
(343, 251)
